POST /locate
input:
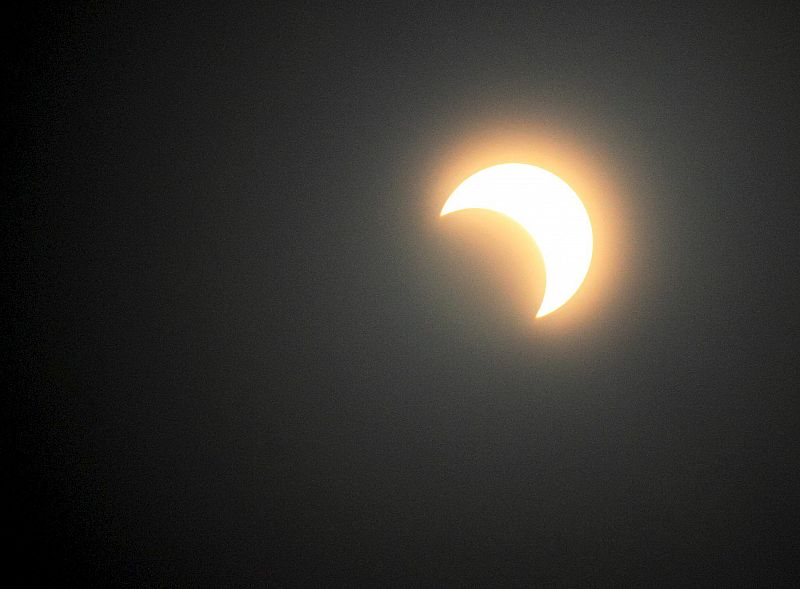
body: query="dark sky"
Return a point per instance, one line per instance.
(248, 353)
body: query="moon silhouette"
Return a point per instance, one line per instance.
(548, 209)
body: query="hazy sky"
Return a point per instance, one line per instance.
(247, 352)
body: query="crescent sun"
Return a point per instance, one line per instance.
(548, 209)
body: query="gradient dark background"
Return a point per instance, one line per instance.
(245, 355)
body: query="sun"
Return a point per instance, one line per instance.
(549, 211)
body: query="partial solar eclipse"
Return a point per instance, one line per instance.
(548, 209)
